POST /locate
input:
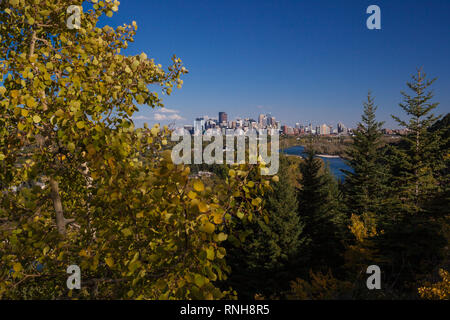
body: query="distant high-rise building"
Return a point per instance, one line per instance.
(324, 129)
(269, 120)
(341, 128)
(189, 128)
(223, 117)
(261, 120)
(199, 125)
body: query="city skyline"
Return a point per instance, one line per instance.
(203, 124)
(315, 60)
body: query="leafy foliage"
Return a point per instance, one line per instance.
(437, 291)
(110, 199)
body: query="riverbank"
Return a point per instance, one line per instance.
(335, 163)
(328, 156)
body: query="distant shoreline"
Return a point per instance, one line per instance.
(317, 155)
(328, 156)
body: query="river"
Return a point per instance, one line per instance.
(336, 164)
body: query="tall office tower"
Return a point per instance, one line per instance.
(324, 129)
(261, 120)
(269, 120)
(341, 128)
(199, 125)
(223, 117)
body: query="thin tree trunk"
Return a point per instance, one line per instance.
(57, 203)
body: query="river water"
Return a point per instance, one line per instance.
(335, 164)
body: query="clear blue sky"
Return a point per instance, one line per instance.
(299, 60)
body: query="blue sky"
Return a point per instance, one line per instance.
(301, 61)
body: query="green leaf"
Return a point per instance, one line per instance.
(71, 147)
(127, 232)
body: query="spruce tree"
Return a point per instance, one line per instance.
(441, 201)
(364, 185)
(412, 242)
(318, 210)
(416, 182)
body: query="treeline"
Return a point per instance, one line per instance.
(392, 211)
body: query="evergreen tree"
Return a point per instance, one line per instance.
(318, 209)
(266, 262)
(364, 186)
(416, 182)
(412, 243)
(441, 202)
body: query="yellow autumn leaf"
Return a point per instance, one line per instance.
(208, 227)
(31, 103)
(36, 119)
(199, 186)
(256, 201)
(109, 261)
(222, 236)
(203, 207)
(192, 195)
(218, 218)
(17, 267)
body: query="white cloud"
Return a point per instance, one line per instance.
(141, 118)
(167, 110)
(160, 117)
(160, 114)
